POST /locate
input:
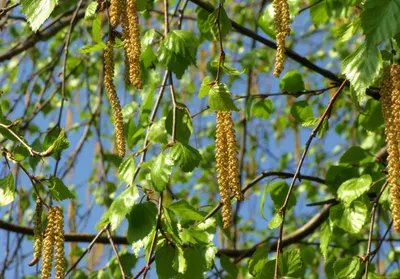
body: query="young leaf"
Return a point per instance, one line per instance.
(180, 264)
(224, 23)
(127, 169)
(142, 220)
(301, 111)
(185, 156)
(37, 11)
(178, 51)
(121, 206)
(361, 67)
(258, 260)
(96, 30)
(91, 48)
(263, 196)
(275, 222)
(347, 268)
(158, 132)
(185, 211)
(58, 190)
(354, 188)
(290, 263)
(325, 238)
(7, 189)
(292, 82)
(205, 87)
(262, 109)
(160, 171)
(351, 218)
(59, 144)
(220, 98)
(90, 12)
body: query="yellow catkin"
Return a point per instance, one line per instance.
(234, 183)
(131, 32)
(221, 156)
(282, 28)
(390, 99)
(115, 12)
(48, 244)
(37, 232)
(112, 96)
(59, 265)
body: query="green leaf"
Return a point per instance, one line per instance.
(208, 253)
(160, 171)
(290, 263)
(324, 128)
(275, 222)
(142, 219)
(121, 206)
(180, 264)
(126, 170)
(128, 262)
(351, 2)
(141, 5)
(229, 267)
(263, 196)
(59, 144)
(351, 218)
(266, 21)
(310, 122)
(20, 153)
(158, 132)
(301, 111)
(196, 264)
(205, 87)
(195, 236)
(231, 70)
(96, 30)
(258, 260)
(185, 156)
(371, 118)
(278, 191)
(355, 155)
(262, 109)
(354, 188)
(203, 24)
(319, 12)
(380, 20)
(361, 68)
(220, 98)
(347, 268)
(325, 239)
(292, 82)
(224, 23)
(184, 125)
(7, 189)
(185, 211)
(91, 48)
(90, 12)
(178, 51)
(37, 11)
(58, 190)
(164, 261)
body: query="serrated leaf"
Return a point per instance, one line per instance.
(262, 109)
(310, 122)
(59, 144)
(301, 111)
(354, 188)
(185, 156)
(194, 236)
(220, 98)
(361, 68)
(232, 71)
(158, 132)
(183, 122)
(205, 87)
(90, 12)
(58, 190)
(164, 260)
(380, 20)
(325, 238)
(160, 171)
(318, 12)
(224, 23)
(278, 191)
(91, 48)
(37, 11)
(351, 218)
(258, 260)
(142, 220)
(7, 189)
(178, 51)
(208, 252)
(347, 268)
(179, 264)
(290, 263)
(122, 205)
(292, 82)
(96, 30)
(185, 211)
(275, 222)
(371, 118)
(324, 128)
(355, 155)
(126, 170)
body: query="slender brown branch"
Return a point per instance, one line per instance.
(109, 236)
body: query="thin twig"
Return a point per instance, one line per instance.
(115, 252)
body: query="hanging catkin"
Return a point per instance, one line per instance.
(282, 29)
(59, 244)
(132, 46)
(48, 244)
(115, 12)
(390, 99)
(37, 233)
(112, 96)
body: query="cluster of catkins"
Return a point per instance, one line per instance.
(125, 11)
(390, 98)
(53, 242)
(227, 164)
(282, 21)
